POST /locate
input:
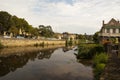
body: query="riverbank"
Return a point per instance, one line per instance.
(112, 69)
(19, 50)
(29, 42)
(96, 53)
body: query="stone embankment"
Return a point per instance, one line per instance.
(29, 42)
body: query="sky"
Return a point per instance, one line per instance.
(73, 16)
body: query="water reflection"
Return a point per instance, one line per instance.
(46, 64)
(45, 54)
(12, 62)
(67, 48)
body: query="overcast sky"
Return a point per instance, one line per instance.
(74, 16)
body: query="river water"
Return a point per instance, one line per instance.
(48, 64)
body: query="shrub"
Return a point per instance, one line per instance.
(88, 51)
(100, 58)
(98, 70)
(100, 61)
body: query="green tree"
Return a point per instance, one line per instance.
(14, 30)
(96, 37)
(5, 20)
(46, 31)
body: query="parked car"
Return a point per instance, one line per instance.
(20, 37)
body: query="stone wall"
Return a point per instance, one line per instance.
(29, 42)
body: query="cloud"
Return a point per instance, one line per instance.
(77, 16)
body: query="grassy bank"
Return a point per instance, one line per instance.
(97, 54)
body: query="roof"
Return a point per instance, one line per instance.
(112, 24)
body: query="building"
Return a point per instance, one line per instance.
(69, 36)
(66, 36)
(110, 31)
(59, 36)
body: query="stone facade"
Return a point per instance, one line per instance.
(69, 36)
(66, 35)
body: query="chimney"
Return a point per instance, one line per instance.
(103, 22)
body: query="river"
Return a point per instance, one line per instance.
(49, 64)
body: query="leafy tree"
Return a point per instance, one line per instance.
(46, 31)
(80, 36)
(14, 30)
(5, 20)
(96, 37)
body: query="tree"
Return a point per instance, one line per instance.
(96, 37)
(5, 20)
(46, 31)
(14, 30)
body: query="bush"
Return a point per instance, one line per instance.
(100, 58)
(88, 51)
(98, 70)
(100, 61)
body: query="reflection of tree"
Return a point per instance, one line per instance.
(12, 62)
(45, 54)
(85, 62)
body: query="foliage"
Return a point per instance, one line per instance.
(100, 58)
(5, 20)
(100, 61)
(95, 52)
(96, 37)
(69, 42)
(13, 24)
(99, 68)
(87, 51)
(46, 31)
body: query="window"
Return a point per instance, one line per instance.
(114, 30)
(119, 30)
(108, 30)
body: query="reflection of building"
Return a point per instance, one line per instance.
(110, 30)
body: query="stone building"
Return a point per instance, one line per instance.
(59, 35)
(69, 36)
(110, 30)
(66, 36)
